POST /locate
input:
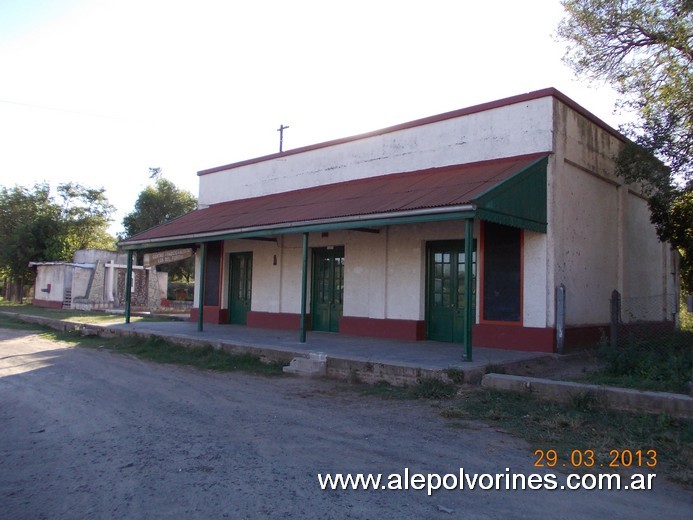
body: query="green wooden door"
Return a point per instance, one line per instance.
(240, 286)
(446, 291)
(327, 294)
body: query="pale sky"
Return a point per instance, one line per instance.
(98, 91)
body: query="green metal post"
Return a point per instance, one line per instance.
(201, 293)
(128, 287)
(468, 281)
(304, 288)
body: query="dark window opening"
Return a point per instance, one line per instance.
(502, 273)
(212, 273)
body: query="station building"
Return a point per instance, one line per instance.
(461, 227)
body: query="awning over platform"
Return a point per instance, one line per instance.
(510, 191)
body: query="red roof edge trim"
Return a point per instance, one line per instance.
(520, 98)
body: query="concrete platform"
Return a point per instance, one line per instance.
(371, 360)
(347, 357)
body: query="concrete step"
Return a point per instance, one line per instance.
(315, 365)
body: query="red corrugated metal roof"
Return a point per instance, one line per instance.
(431, 188)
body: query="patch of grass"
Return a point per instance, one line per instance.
(96, 317)
(456, 375)
(429, 388)
(208, 358)
(582, 425)
(584, 402)
(385, 390)
(15, 324)
(664, 363)
(633, 381)
(685, 316)
(157, 349)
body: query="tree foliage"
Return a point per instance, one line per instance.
(34, 227)
(157, 205)
(644, 48)
(87, 213)
(679, 231)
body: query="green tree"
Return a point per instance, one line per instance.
(35, 228)
(644, 49)
(29, 230)
(86, 213)
(680, 231)
(157, 205)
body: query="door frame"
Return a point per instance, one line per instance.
(456, 247)
(233, 274)
(317, 254)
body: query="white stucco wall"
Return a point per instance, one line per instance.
(599, 234)
(384, 275)
(584, 218)
(91, 256)
(365, 273)
(406, 275)
(646, 266)
(506, 131)
(80, 281)
(266, 279)
(53, 275)
(290, 287)
(536, 287)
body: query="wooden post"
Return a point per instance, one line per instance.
(615, 317)
(304, 288)
(560, 318)
(468, 292)
(201, 293)
(128, 287)
(281, 137)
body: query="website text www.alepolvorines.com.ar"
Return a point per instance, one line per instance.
(466, 481)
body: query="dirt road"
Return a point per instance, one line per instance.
(91, 434)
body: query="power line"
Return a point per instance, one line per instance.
(43, 107)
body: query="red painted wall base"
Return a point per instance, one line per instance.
(211, 314)
(47, 303)
(585, 336)
(513, 337)
(355, 326)
(535, 339)
(275, 320)
(383, 328)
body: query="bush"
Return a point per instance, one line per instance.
(664, 363)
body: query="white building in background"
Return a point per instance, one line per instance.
(384, 226)
(95, 279)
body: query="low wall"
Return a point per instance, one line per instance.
(677, 405)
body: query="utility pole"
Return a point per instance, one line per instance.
(281, 137)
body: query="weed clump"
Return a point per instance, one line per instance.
(664, 363)
(431, 388)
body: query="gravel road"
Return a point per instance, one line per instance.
(92, 434)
